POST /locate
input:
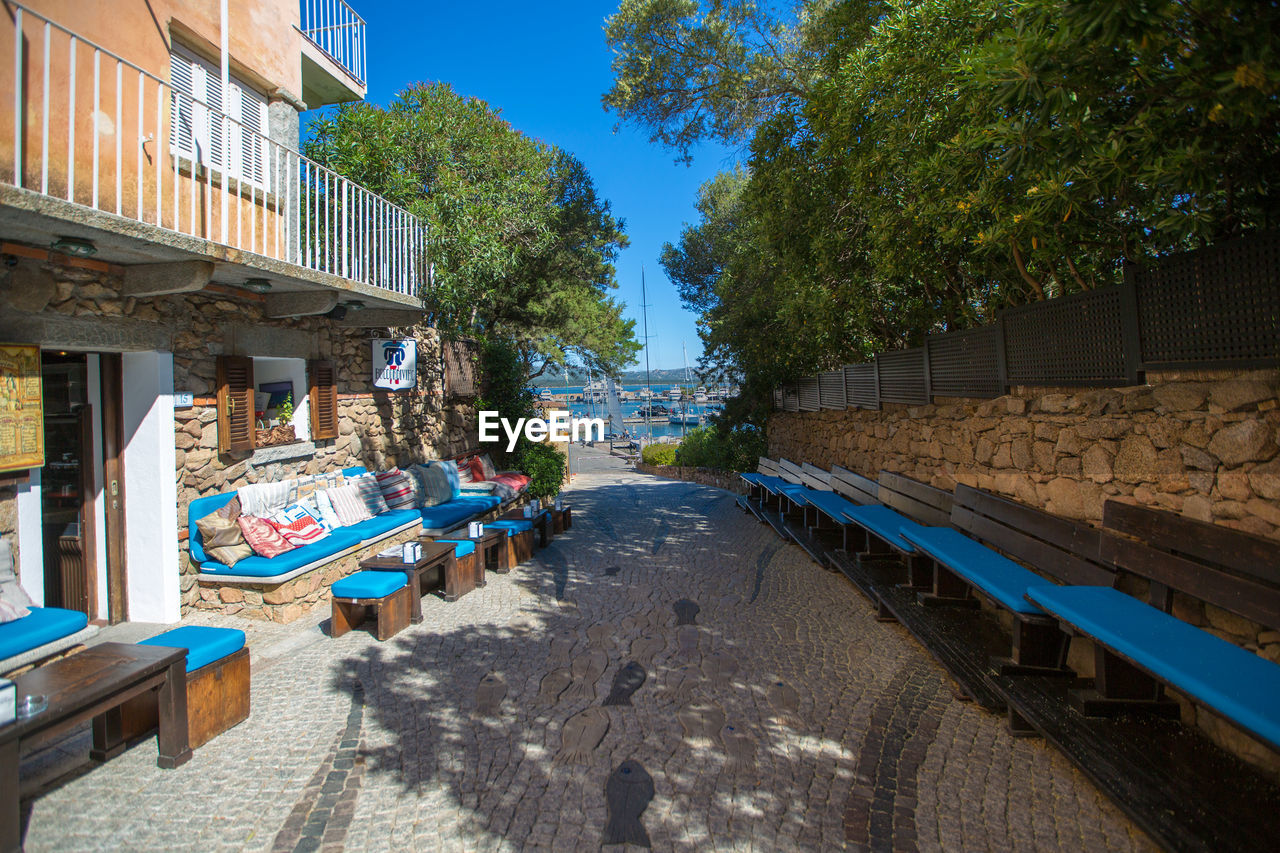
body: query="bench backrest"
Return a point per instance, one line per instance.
(1065, 550)
(916, 500)
(1227, 568)
(815, 478)
(789, 471)
(855, 487)
(767, 466)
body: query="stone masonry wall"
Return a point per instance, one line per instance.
(1203, 445)
(376, 429)
(706, 476)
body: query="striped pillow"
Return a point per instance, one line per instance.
(397, 489)
(465, 474)
(347, 505)
(262, 536)
(367, 486)
(298, 526)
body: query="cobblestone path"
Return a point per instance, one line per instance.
(666, 673)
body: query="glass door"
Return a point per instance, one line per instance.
(68, 549)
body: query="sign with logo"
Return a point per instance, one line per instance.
(395, 364)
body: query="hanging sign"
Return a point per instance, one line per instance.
(21, 408)
(395, 364)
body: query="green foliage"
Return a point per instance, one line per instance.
(936, 161)
(658, 454)
(522, 246)
(504, 389)
(545, 466)
(720, 447)
(284, 412)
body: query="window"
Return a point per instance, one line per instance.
(250, 389)
(196, 128)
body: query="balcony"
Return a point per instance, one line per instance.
(333, 54)
(95, 147)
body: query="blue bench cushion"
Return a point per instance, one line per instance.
(512, 526)
(461, 547)
(831, 505)
(779, 486)
(42, 625)
(204, 644)
(369, 584)
(752, 478)
(883, 522)
(1236, 683)
(196, 510)
(994, 574)
(446, 515)
(262, 567)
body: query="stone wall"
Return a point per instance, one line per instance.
(1203, 445)
(79, 305)
(730, 482)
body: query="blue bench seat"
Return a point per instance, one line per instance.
(369, 584)
(258, 566)
(831, 505)
(204, 644)
(443, 517)
(461, 547)
(996, 575)
(512, 525)
(1234, 682)
(884, 523)
(41, 626)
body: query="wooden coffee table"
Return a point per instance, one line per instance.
(492, 551)
(93, 685)
(541, 522)
(435, 555)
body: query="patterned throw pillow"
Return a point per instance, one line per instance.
(222, 538)
(347, 505)
(298, 526)
(396, 488)
(464, 472)
(367, 487)
(262, 537)
(435, 483)
(11, 612)
(455, 482)
(324, 507)
(231, 510)
(477, 470)
(486, 464)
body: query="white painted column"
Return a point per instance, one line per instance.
(151, 492)
(31, 539)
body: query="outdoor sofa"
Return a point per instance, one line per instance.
(44, 633)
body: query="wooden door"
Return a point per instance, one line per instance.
(88, 517)
(113, 486)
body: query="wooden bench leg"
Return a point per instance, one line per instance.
(10, 808)
(1039, 648)
(108, 735)
(394, 614)
(1119, 688)
(1019, 726)
(949, 590)
(345, 616)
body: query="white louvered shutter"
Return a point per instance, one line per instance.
(197, 131)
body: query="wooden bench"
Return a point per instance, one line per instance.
(978, 552)
(386, 594)
(1119, 727)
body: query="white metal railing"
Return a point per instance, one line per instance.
(336, 29)
(92, 128)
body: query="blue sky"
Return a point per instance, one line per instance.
(545, 66)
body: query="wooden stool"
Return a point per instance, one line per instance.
(386, 593)
(562, 518)
(217, 684)
(519, 538)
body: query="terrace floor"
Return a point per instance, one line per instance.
(775, 713)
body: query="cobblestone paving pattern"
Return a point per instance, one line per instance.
(779, 716)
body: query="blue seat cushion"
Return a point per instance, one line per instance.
(372, 528)
(751, 477)
(204, 644)
(512, 525)
(883, 522)
(42, 625)
(262, 567)
(779, 486)
(1236, 683)
(369, 584)
(458, 510)
(461, 547)
(994, 574)
(831, 505)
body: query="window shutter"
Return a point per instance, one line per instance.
(324, 400)
(253, 115)
(182, 113)
(235, 403)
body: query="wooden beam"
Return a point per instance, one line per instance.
(143, 280)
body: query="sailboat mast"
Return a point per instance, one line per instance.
(644, 310)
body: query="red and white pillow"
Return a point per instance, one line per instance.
(262, 536)
(297, 525)
(478, 474)
(397, 489)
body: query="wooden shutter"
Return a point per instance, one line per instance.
(235, 403)
(324, 400)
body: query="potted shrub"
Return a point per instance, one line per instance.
(283, 432)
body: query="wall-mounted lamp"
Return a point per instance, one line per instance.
(256, 285)
(74, 246)
(354, 305)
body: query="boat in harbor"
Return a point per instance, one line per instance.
(686, 415)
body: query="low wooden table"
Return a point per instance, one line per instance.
(562, 519)
(491, 550)
(541, 522)
(435, 555)
(93, 685)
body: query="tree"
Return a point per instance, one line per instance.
(522, 247)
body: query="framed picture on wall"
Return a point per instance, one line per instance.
(21, 408)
